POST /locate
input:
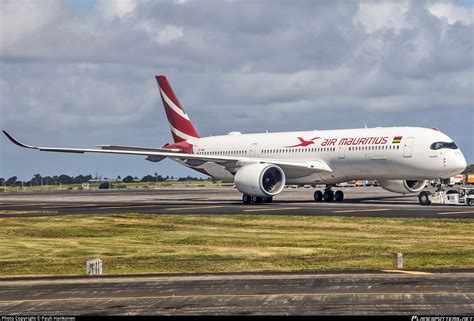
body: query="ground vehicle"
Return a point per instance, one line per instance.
(470, 179)
(462, 196)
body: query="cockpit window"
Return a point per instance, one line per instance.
(440, 145)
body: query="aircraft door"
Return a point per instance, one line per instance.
(408, 146)
(253, 149)
(342, 152)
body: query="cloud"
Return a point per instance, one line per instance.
(452, 13)
(165, 35)
(115, 8)
(235, 65)
(22, 19)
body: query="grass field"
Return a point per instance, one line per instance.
(137, 243)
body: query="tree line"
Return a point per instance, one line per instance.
(38, 180)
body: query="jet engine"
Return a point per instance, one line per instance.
(403, 187)
(262, 180)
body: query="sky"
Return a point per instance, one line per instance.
(80, 73)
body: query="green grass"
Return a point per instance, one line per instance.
(137, 243)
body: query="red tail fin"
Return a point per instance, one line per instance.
(181, 126)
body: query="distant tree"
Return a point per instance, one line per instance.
(36, 180)
(148, 178)
(119, 178)
(65, 179)
(81, 179)
(48, 180)
(11, 181)
(78, 179)
(2, 181)
(187, 178)
(128, 179)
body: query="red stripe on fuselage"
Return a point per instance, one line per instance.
(184, 146)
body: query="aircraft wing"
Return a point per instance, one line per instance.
(156, 154)
(146, 149)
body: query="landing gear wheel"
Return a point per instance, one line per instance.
(339, 196)
(247, 199)
(328, 196)
(424, 198)
(470, 202)
(318, 196)
(256, 199)
(268, 199)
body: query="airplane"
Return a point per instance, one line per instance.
(400, 159)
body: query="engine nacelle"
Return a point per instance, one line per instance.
(262, 180)
(403, 187)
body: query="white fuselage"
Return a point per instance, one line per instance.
(392, 153)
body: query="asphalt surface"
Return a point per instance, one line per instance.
(368, 202)
(409, 293)
(365, 293)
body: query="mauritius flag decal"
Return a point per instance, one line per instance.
(397, 139)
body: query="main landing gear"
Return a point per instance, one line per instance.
(328, 195)
(248, 199)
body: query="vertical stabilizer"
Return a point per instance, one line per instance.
(181, 126)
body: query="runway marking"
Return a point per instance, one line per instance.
(461, 212)
(69, 206)
(128, 206)
(407, 272)
(19, 212)
(372, 210)
(192, 207)
(11, 205)
(272, 209)
(163, 297)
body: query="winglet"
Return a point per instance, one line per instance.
(17, 142)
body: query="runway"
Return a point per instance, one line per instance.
(243, 294)
(367, 202)
(341, 293)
